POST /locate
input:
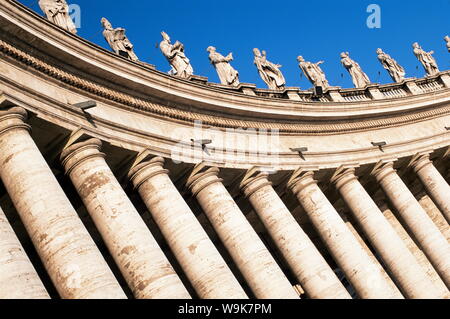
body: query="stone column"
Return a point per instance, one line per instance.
(360, 270)
(18, 278)
(130, 242)
(434, 183)
(396, 256)
(256, 264)
(69, 254)
(415, 250)
(431, 240)
(197, 255)
(310, 268)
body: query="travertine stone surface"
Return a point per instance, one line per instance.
(69, 254)
(430, 239)
(369, 252)
(363, 273)
(197, 255)
(434, 183)
(18, 278)
(256, 264)
(415, 250)
(435, 215)
(396, 256)
(136, 252)
(310, 268)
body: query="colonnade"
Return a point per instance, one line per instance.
(78, 270)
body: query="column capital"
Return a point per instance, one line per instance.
(300, 180)
(13, 118)
(342, 176)
(420, 161)
(76, 153)
(201, 177)
(146, 169)
(383, 169)
(253, 181)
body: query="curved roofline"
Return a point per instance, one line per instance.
(196, 95)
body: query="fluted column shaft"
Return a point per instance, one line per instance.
(395, 254)
(194, 250)
(308, 265)
(364, 274)
(250, 255)
(69, 254)
(431, 240)
(18, 278)
(130, 242)
(434, 183)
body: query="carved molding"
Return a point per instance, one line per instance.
(176, 114)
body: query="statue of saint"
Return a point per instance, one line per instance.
(118, 41)
(447, 39)
(360, 79)
(227, 74)
(427, 59)
(269, 72)
(396, 71)
(313, 72)
(57, 11)
(174, 53)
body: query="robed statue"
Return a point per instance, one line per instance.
(396, 71)
(57, 11)
(118, 41)
(447, 39)
(176, 57)
(360, 79)
(227, 74)
(427, 60)
(269, 72)
(313, 72)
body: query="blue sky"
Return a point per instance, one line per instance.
(318, 30)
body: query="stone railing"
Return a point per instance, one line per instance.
(431, 85)
(371, 92)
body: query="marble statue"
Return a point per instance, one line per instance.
(313, 72)
(427, 59)
(57, 11)
(269, 72)
(118, 41)
(447, 39)
(227, 74)
(396, 71)
(360, 79)
(176, 57)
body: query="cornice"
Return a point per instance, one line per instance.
(172, 97)
(312, 127)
